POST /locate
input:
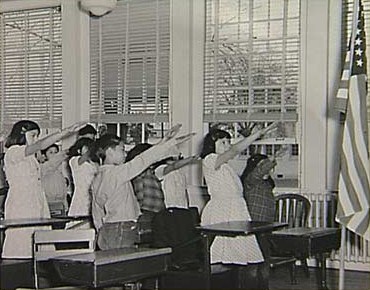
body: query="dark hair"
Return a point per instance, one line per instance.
(88, 129)
(43, 151)
(252, 162)
(136, 150)
(103, 143)
(17, 135)
(75, 149)
(209, 142)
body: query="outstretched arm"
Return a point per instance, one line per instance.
(180, 163)
(53, 138)
(240, 146)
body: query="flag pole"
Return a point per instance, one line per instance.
(342, 253)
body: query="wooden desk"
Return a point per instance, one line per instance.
(112, 267)
(31, 222)
(309, 242)
(17, 273)
(232, 229)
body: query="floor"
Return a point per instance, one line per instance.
(353, 280)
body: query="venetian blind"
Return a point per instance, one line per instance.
(31, 67)
(130, 50)
(252, 60)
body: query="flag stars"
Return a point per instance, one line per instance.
(359, 62)
(359, 52)
(358, 41)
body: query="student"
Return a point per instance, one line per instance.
(147, 188)
(258, 192)
(115, 208)
(87, 131)
(83, 169)
(258, 187)
(3, 185)
(53, 181)
(174, 184)
(227, 204)
(26, 198)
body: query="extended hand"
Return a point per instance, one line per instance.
(171, 133)
(272, 127)
(184, 138)
(75, 127)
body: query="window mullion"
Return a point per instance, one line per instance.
(51, 69)
(100, 71)
(127, 61)
(284, 59)
(157, 56)
(215, 60)
(26, 65)
(250, 58)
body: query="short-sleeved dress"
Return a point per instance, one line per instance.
(227, 204)
(25, 199)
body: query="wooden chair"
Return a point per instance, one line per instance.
(294, 210)
(48, 244)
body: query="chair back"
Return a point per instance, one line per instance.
(49, 244)
(293, 209)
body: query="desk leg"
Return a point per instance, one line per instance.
(321, 258)
(207, 261)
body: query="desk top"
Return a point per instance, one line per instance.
(114, 255)
(29, 222)
(240, 227)
(306, 232)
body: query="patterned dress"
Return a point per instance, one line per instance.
(25, 199)
(227, 204)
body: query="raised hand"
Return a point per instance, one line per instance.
(185, 138)
(75, 127)
(270, 128)
(172, 132)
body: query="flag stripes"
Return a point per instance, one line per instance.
(354, 177)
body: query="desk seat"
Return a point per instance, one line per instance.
(307, 241)
(112, 267)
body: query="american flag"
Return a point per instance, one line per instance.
(354, 177)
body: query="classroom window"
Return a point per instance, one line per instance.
(130, 52)
(252, 64)
(31, 67)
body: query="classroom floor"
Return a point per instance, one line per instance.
(353, 280)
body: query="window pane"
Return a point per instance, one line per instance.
(130, 50)
(251, 77)
(31, 67)
(252, 60)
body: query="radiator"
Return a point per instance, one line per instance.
(323, 209)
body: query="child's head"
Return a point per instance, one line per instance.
(260, 162)
(110, 149)
(136, 150)
(81, 146)
(210, 140)
(50, 151)
(24, 132)
(140, 148)
(87, 131)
